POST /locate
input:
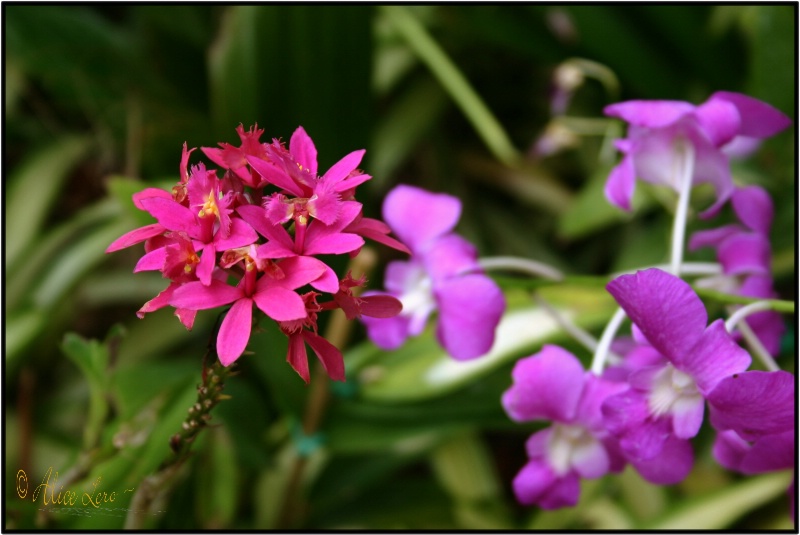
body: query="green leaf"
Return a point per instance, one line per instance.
(720, 509)
(34, 188)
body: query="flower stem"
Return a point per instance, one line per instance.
(337, 332)
(523, 265)
(685, 174)
(603, 346)
(736, 320)
(582, 336)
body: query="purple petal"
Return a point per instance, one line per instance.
(729, 450)
(745, 253)
(449, 256)
(595, 393)
(715, 357)
(758, 119)
(234, 333)
(621, 183)
(754, 403)
(533, 481)
(470, 307)
(564, 492)
(302, 149)
(418, 216)
(547, 385)
(590, 459)
(769, 453)
(198, 296)
(719, 120)
(687, 417)
(754, 207)
(671, 466)
(711, 166)
(713, 237)
(387, 333)
(664, 307)
(650, 113)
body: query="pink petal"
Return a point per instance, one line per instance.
(274, 176)
(207, 262)
(296, 356)
(418, 216)
(712, 237)
(327, 282)
(341, 169)
(339, 243)
(234, 333)
(197, 296)
(135, 236)
(152, 261)
(298, 271)
(302, 149)
(171, 215)
(280, 304)
(328, 354)
(147, 193)
(241, 235)
(380, 306)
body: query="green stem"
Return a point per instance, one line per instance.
(457, 86)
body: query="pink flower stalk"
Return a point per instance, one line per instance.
(220, 246)
(658, 129)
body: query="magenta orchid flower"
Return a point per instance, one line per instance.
(274, 296)
(666, 401)
(443, 275)
(215, 241)
(552, 385)
(658, 127)
(744, 251)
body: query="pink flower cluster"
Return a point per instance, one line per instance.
(251, 238)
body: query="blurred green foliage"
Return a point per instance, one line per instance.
(100, 99)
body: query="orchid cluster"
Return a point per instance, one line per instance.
(251, 237)
(644, 407)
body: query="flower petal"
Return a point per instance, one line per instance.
(328, 354)
(298, 271)
(754, 403)
(449, 256)
(470, 307)
(758, 119)
(341, 169)
(719, 120)
(135, 236)
(387, 333)
(621, 183)
(533, 481)
(234, 332)
(547, 385)
(715, 357)
(296, 356)
(197, 296)
(280, 303)
(671, 466)
(664, 308)
(171, 215)
(650, 113)
(418, 216)
(754, 208)
(302, 149)
(745, 253)
(274, 175)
